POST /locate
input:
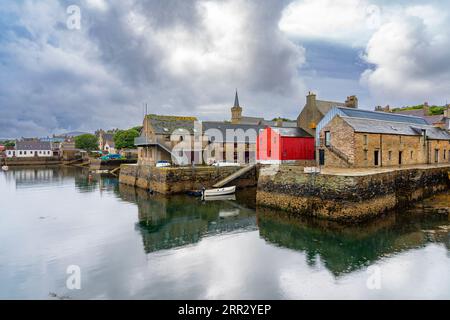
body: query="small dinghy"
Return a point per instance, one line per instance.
(219, 192)
(229, 197)
(5, 168)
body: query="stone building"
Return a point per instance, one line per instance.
(161, 134)
(365, 139)
(314, 110)
(231, 142)
(106, 141)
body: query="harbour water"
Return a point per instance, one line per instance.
(129, 244)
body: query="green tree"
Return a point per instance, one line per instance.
(8, 143)
(88, 142)
(124, 139)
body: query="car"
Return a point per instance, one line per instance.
(225, 164)
(163, 164)
(111, 157)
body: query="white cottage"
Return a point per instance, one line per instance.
(31, 148)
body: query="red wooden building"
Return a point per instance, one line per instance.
(276, 145)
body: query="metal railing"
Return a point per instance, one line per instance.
(142, 141)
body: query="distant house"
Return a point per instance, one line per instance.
(106, 142)
(314, 111)
(69, 152)
(31, 148)
(356, 138)
(160, 134)
(284, 145)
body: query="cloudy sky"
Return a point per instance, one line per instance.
(187, 57)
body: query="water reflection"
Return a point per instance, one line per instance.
(171, 222)
(131, 244)
(344, 249)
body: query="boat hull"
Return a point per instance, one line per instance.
(220, 192)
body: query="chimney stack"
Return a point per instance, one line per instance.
(311, 98)
(426, 109)
(351, 102)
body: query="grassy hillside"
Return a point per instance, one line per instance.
(434, 110)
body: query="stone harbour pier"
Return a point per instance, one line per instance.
(175, 180)
(348, 196)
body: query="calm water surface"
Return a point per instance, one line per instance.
(130, 245)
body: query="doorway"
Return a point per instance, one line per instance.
(400, 154)
(321, 157)
(376, 157)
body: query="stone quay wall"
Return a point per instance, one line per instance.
(347, 198)
(31, 161)
(176, 180)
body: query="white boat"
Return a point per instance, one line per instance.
(219, 192)
(229, 197)
(5, 168)
(229, 213)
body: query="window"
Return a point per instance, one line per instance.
(327, 138)
(365, 139)
(436, 155)
(390, 155)
(182, 138)
(412, 155)
(445, 154)
(167, 138)
(365, 154)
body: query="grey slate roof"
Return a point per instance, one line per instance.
(252, 120)
(325, 106)
(291, 132)
(420, 113)
(226, 127)
(384, 116)
(33, 145)
(397, 128)
(108, 137)
(285, 124)
(168, 124)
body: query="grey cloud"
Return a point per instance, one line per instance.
(100, 76)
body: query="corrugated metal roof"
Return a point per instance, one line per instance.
(378, 115)
(397, 128)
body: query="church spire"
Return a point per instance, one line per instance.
(236, 100)
(236, 111)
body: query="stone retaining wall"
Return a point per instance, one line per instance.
(347, 198)
(31, 161)
(180, 179)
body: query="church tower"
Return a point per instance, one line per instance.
(236, 111)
